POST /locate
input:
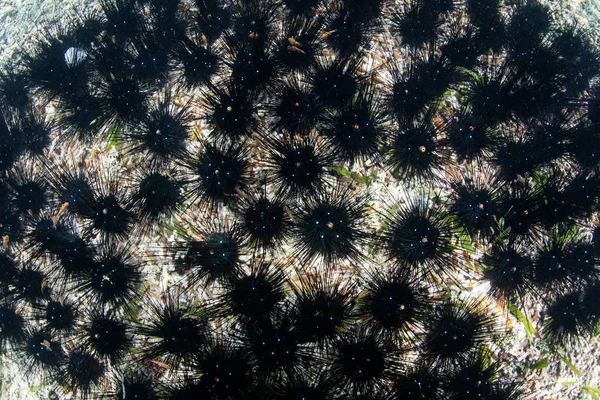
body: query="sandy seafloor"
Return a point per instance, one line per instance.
(20, 20)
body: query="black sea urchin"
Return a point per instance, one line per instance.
(253, 296)
(161, 133)
(417, 237)
(362, 360)
(299, 168)
(174, 333)
(82, 372)
(322, 307)
(30, 192)
(106, 336)
(475, 206)
(218, 174)
(297, 109)
(276, 349)
(414, 152)
(113, 279)
(59, 315)
(266, 222)
(335, 82)
(158, 196)
(214, 255)
(136, 385)
(393, 303)
(41, 352)
(225, 371)
(509, 271)
(12, 324)
(457, 332)
(418, 382)
(329, 228)
(356, 129)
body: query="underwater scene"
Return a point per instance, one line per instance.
(299, 199)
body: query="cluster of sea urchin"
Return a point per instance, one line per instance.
(282, 198)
